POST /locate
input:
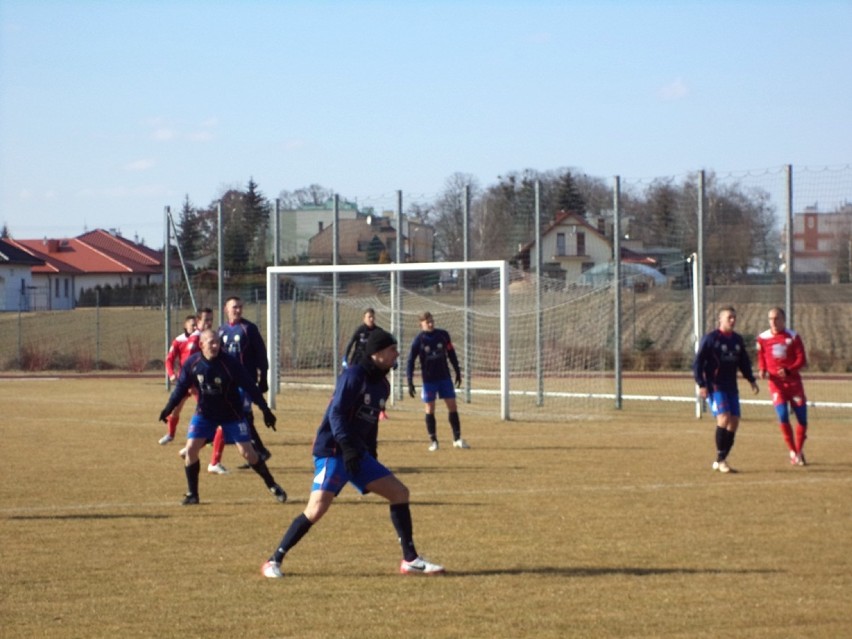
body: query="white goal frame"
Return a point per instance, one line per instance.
(272, 314)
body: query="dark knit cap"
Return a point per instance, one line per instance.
(379, 340)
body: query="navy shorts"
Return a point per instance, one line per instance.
(443, 389)
(330, 473)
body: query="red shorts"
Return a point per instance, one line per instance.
(792, 392)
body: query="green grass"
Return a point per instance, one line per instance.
(611, 526)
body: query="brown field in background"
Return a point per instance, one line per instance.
(134, 339)
(611, 525)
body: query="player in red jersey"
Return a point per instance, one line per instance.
(182, 347)
(780, 357)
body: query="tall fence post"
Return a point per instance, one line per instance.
(788, 250)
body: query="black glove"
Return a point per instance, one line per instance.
(458, 379)
(269, 419)
(164, 414)
(263, 385)
(351, 458)
(411, 390)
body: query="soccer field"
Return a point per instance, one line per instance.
(610, 525)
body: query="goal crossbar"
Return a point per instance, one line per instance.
(272, 308)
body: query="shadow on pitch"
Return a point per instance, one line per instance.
(86, 516)
(597, 571)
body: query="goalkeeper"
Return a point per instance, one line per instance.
(433, 347)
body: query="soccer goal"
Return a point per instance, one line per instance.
(527, 347)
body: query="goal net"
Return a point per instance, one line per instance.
(528, 348)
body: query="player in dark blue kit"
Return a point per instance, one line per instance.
(433, 347)
(721, 354)
(242, 339)
(355, 347)
(221, 382)
(345, 452)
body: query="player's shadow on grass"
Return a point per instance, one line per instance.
(85, 516)
(598, 571)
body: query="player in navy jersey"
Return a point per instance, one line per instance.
(345, 452)
(220, 381)
(242, 339)
(432, 348)
(355, 348)
(358, 340)
(721, 354)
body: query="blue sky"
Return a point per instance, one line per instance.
(110, 111)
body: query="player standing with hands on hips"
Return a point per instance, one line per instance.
(220, 381)
(345, 452)
(721, 354)
(433, 347)
(780, 357)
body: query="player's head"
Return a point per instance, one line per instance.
(208, 342)
(233, 309)
(204, 318)
(727, 319)
(189, 324)
(382, 349)
(777, 320)
(427, 322)
(369, 317)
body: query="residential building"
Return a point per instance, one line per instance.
(822, 243)
(571, 246)
(97, 258)
(365, 238)
(298, 226)
(16, 280)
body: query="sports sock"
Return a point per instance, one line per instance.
(455, 424)
(729, 441)
(787, 434)
(400, 515)
(431, 428)
(172, 423)
(720, 443)
(261, 469)
(192, 477)
(218, 446)
(801, 436)
(298, 529)
(256, 441)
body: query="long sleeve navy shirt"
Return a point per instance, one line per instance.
(432, 349)
(218, 381)
(719, 357)
(353, 414)
(244, 341)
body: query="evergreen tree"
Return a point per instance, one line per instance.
(190, 233)
(256, 209)
(568, 196)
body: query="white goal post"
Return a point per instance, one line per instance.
(274, 275)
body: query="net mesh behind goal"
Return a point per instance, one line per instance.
(559, 358)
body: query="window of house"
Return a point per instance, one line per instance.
(319, 226)
(67, 286)
(560, 244)
(581, 243)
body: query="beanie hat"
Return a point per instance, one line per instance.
(379, 340)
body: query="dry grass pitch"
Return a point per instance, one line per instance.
(608, 526)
